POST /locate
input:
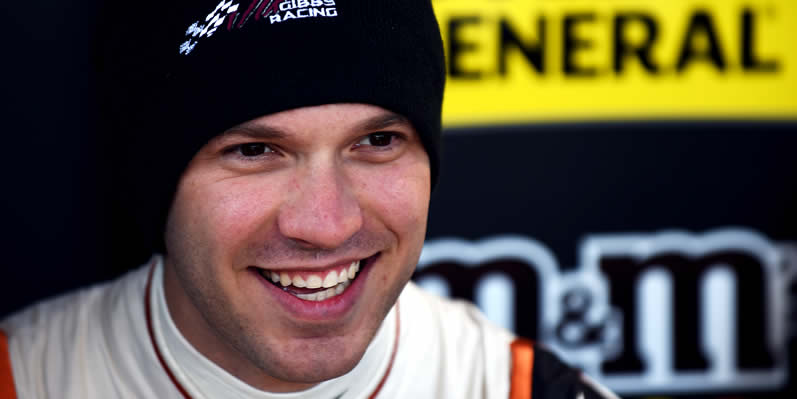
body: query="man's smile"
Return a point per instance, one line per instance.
(318, 294)
(312, 285)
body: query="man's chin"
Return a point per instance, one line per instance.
(312, 361)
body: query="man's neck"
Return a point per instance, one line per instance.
(197, 331)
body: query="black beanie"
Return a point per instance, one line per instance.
(233, 61)
(236, 60)
(198, 68)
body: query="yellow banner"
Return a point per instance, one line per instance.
(531, 60)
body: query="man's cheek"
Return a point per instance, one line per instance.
(235, 213)
(403, 199)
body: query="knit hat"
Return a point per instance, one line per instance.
(234, 61)
(209, 65)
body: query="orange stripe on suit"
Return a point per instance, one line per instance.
(522, 369)
(7, 390)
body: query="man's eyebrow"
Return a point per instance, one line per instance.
(261, 132)
(265, 132)
(382, 121)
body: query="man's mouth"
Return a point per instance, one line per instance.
(315, 285)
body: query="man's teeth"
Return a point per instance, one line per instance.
(331, 280)
(335, 281)
(325, 294)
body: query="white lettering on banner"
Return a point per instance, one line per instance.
(670, 312)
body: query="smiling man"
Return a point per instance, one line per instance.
(298, 143)
(291, 237)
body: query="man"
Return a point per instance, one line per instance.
(305, 137)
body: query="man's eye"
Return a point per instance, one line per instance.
(377, 139)
(254, 149)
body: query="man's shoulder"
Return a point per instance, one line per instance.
(67, 310)
(450, 348)
(472, 348)
(455, 318)
(50, 341)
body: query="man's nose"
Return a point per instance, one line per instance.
(322, 211)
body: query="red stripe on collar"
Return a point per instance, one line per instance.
(392, 355)
(147, 304)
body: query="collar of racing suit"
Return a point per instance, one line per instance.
(195, 376)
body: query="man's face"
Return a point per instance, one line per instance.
(296, 195)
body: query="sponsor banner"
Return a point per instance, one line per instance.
(658, 256)
(660, 313)
(515, 61)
